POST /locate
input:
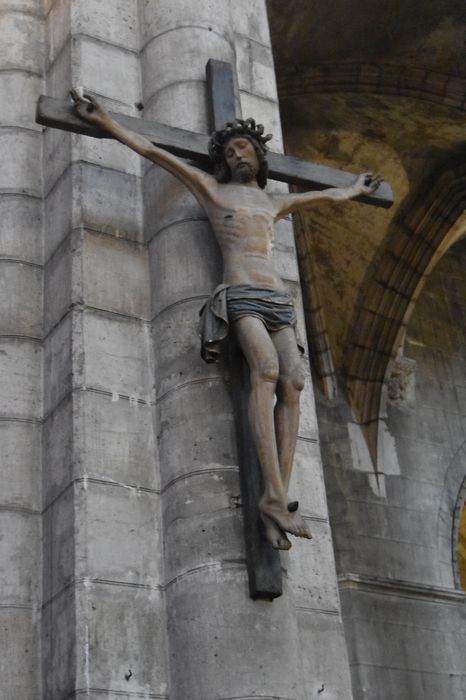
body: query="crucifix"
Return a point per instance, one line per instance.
(252, 301)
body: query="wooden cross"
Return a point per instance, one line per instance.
(263, 562)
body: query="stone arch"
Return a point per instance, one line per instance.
(377, 78)
(414, 245)
(416, 241)
(321, 355)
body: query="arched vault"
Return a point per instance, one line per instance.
(414, 245)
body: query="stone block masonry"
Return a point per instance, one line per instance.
(124, 556)
(21, 270)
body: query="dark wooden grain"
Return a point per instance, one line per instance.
(262, 561)
(59, 114)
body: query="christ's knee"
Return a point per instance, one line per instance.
(291, 385)
(266, 371)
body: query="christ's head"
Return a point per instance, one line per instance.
(238, 152)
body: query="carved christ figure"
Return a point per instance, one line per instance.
(252, 302)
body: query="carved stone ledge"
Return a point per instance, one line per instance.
(400, 588)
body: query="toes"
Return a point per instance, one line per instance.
(284, 543)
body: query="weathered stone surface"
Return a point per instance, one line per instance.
(220, 593)
(178, 359)
(22, 173)
(308, 421)
(117, 354)
(19, 557)
(19, 91)
(57, 467)
(202, 522)
(310, 567)
(17, 651)
(29, 6)
(249, 19)
(132, 662)
(58, 28)
(307, 482)
(59, 644)
(174, 14)
(117, 441)
(20, 291)
(106, 153)
(116, 516)
(58, 213)
(20, 378)
(163, 105)
(185, 447)
(21, 444)
(104, 563)
(21, 41)
(324, 657)
(410, 624)
(21, 46)
(285, 263)
(58, 370)
(265, 112)
(115, 23)
(107, 70)
(57, 155)
(166, 202)
(189, 65)
(255, 68)
(59, 283)
(197, 271)
(115, 275)
(59, 74)
(20, 224)
(59, 545)
(112, 202)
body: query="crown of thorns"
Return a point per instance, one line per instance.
(240, 127)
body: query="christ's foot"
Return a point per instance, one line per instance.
(274, 535)
(286, 521)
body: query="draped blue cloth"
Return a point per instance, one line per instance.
(228, 303)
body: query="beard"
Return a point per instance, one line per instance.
(244, 173)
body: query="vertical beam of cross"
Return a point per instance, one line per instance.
(263, 562)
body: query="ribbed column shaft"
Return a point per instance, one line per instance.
(104, 619)
(21, 67)
(222, 644)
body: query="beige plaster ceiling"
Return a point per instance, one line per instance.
(429, 33)
(367, 86)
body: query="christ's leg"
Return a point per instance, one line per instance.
(263, 362)
(289, 387)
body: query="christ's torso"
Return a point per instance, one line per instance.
(242, 219)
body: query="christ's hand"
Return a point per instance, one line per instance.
(367, 183)
(89, 109)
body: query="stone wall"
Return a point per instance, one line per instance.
(21, 274)
(394, 532)
(143, 590)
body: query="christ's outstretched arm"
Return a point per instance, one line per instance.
(366, 183)
(90, 110)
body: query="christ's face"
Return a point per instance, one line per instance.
(241, 158)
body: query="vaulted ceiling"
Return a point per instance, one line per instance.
(381, 87)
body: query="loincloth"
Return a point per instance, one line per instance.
(228, 303)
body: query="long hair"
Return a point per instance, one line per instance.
(246, 128)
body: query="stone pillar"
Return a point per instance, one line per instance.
(21, 57)
(104, 622)
(139, 486)
(221, 643)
